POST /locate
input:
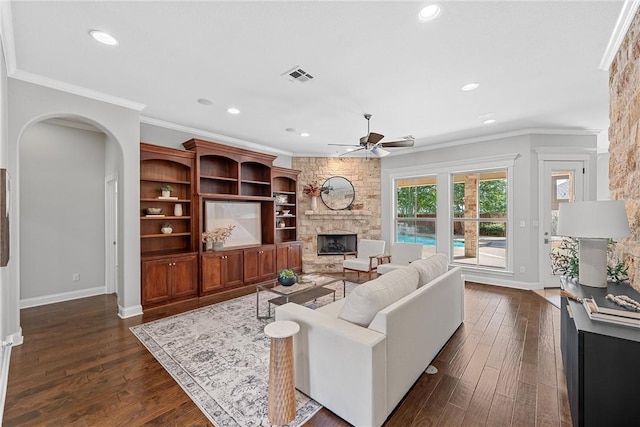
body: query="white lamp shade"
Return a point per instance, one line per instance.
(602, 219)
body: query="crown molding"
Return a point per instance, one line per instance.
(492, 137)
(76, 90)
(212, 135)
(628, 12)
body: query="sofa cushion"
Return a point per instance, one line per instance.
(430, 268)
(361, 305)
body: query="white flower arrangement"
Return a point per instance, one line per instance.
(220, 234)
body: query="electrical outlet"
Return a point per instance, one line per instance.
(522, 269)
(75, 277)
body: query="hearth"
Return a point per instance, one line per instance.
(337, 243)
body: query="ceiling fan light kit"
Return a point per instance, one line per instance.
(372, 142)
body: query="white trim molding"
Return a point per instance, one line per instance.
(628, 12)
(4, 374)
(64, 296)
(212, 135)
(124, 313)
(76, 90)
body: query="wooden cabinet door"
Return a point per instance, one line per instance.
(212, 271)
(282, 257)
(156, 281)
(233, 271)
(184, 273)
(267, 262)
(252, 265)
(295, 256)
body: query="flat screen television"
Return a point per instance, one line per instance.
(244, 215)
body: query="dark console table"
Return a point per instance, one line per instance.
(601, 362)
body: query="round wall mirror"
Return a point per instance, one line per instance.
(337, 193)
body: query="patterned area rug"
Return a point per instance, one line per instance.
(219, 355)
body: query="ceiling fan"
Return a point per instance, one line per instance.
(372, 142)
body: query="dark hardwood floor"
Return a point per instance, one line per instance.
(80, 366)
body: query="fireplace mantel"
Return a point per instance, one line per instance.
(323, 215)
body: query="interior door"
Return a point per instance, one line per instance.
(562, 181)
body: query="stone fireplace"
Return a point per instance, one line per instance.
(336, 243)
(364, 220)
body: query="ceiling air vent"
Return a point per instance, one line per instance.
(297, 74)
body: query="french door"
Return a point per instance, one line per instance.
(561, 182)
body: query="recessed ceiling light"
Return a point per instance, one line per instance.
(489, 121)
(304, 134)
(429, 13)
(205, 101)
(350, 149)
(104, 38)
(470, 86)
(233, 110)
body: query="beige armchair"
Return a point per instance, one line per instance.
(366, 258)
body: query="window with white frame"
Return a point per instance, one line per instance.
(416, 206)
(480, 218)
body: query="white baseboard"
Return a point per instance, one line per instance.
(507, 283)
(64, 296)
(125, 312)
(15, 338)
(4, 374)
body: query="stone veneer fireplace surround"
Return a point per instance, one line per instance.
(364, 218)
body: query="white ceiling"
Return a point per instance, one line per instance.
(537, 64)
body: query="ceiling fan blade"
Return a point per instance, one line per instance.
(374, 138)
(403, 143)
(351, 151)
(380, 152)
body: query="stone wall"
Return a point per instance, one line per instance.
(624, 143)
(364, 218)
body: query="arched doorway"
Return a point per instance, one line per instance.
(68, 220)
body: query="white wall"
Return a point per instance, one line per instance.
(30, 104)
(603, 176)
(62, 171)
(525, 192)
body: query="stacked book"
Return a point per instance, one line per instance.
(604, 310)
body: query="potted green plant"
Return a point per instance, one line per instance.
(287, 277)
(166, 228)
(166, 190)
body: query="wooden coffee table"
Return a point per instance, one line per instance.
(309, 287)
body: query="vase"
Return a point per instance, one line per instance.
(177, 209)
(166, 230)
(208, 245)
(314, 203)
(166, 194)
(218, 246)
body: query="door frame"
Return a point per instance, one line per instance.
(561, 154)
(111, 234)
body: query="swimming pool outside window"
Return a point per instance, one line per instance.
(480, 220)
(416, 203)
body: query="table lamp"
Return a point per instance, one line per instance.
(593, 223)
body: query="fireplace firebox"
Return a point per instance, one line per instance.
(337, 243)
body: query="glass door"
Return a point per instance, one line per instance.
(562, 182)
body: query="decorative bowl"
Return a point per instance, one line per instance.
(287, 281)
(277, 212)
(285, 212)
(154, 211)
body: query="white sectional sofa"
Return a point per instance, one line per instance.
(360, 355)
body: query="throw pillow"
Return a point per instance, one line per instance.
(362, 305)
(430, 268)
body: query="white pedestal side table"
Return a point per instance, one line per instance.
(282, 398)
